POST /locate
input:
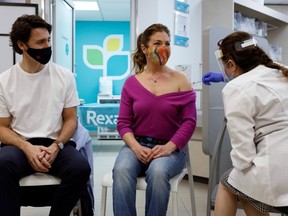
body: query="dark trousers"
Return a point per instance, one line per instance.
(69, 165)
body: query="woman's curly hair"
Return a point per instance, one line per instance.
(249, 57)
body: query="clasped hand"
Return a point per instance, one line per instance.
(41, 157)
(146, 155)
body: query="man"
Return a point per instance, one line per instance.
(38, 117)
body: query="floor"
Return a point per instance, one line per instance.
(104, 157)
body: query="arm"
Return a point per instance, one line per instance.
(33, 153)
(8, 136)
(69, 124)
(187, 125)
(125, 127)
(69, 116)
(188, 116)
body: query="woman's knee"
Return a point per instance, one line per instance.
(124, 174)
(157, 172)
(159, 177)
(120, 171)
(126, 163)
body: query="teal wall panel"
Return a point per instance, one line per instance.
(102, 49)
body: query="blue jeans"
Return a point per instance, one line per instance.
(127, 168)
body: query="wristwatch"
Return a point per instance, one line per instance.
(60, 144)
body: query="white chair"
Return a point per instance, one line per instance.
(42, 179)
(39, 179)
(84, 146)
(141, 185)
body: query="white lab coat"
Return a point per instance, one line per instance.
(256, 107)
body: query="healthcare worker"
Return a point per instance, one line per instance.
(256, 107)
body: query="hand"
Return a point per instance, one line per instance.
(162, 150)
(50, 156)
(209, 77)
(35, 154)
(142, 153)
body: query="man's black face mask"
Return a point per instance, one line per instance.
(40, 55)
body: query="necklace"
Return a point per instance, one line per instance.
(149, 76)
(155, 80)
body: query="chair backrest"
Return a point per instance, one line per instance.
(223, 151)
(218, 156)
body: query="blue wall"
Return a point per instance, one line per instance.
(102, 49)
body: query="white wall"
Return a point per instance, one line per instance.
(162, 11)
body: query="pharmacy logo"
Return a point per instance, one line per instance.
(97, 57)
(95, 119)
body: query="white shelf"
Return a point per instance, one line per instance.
(218, 22)
(262, 12)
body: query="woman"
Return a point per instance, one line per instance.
(256, 107)
(157, 117)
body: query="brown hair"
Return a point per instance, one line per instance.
(139, 58)
(249, 57)
(22, 27)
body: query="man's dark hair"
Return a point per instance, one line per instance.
(22, 27)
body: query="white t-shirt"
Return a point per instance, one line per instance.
(36, 101)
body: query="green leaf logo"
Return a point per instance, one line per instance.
(94, 56)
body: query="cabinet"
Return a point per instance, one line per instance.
(221, 13)
(217, 22)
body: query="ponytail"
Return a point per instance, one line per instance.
(282, 67)
(268, 62)
(139, 58)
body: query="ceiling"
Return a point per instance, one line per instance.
(119, 10)
(109, 10)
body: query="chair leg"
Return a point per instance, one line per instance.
(79, 208)
(191, 183)
(208, 207)
(192, 195)
(103, 201)
(175, 203)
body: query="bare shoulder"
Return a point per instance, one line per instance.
(182, 80)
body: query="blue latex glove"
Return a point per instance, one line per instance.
(209, 77)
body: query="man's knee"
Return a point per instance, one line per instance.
(9, 159)
(85, 169)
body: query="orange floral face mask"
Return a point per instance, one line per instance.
(159, 54)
